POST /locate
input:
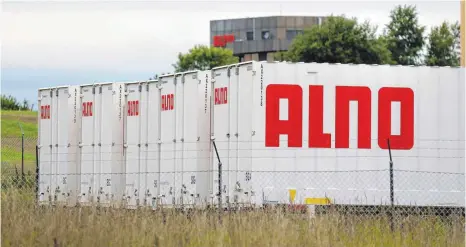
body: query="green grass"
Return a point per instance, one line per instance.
(11, 137)
(10, 120)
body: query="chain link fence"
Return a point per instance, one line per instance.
(354, 195)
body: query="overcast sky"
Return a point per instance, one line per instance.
(47, 43)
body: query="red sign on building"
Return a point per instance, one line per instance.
(222, 40)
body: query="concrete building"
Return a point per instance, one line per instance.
(260, 37)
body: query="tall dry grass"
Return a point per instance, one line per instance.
(24, 224)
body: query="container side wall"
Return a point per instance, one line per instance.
(358, 104)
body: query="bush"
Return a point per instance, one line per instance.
(11, 103)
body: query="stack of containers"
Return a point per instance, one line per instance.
(316, 129)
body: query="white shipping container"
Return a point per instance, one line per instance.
(138, 108)
(185, 140)
(319, 129)
(101, 144)
(322, 129)
(59, 169)
(167, 141)
(232, 116)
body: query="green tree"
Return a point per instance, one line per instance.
(11, 103)
(443, 45)
(404, 35)
(281, 56)
(340, 40)
(203, 57)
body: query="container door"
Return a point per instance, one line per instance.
(88, 153)
(135, 145)
(203, 180)
(105, 115)
(152, 108)
(66, 129)
(187, 122)
(168, 141)
(244, 118)
(45, 146)
(225, 130)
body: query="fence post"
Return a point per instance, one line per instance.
(22, 156)
(219, 184)
(392, 199)
(22, 152)
(37, 174)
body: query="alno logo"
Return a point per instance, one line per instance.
(133, 108)
(293, 126)
(168, 102)
(45, 112)
(221, 96)
(87, 109)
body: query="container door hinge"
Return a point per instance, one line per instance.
(140, 88)
(93, 90)
(237, 71)
(100, 90)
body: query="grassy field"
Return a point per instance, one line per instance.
(24, 224)
(11, 137)
(10, 120)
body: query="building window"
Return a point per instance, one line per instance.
(266, 35)
(262, 56)
(291, 34)
(249, 35)
(241, 58)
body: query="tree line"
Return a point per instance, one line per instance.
(340, 39)
(9, 102)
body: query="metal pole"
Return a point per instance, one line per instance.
(219, 183)
(37, 173)
(22, 151)
(22, 156)
(392, 199)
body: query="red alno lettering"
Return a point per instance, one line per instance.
(292, 126)
(167, 102)
(221, 96)
(87, 109)
(45, 112)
